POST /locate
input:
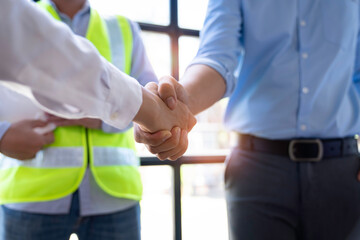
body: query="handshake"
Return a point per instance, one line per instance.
(164, 119)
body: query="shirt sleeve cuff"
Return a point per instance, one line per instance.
(4, 126)
(125, 99)
(110, 129)
(228, 76)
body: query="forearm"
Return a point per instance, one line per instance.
(204, 86)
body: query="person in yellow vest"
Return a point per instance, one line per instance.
(86, 179)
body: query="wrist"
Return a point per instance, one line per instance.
(148, 113)
(191, 99)
(192, 103)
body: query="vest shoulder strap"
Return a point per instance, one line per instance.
(47, 7)
(121, 42)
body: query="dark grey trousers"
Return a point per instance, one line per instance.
(272, 198)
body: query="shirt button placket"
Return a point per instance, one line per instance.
(305, 88)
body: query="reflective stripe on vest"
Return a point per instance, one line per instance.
(68, 157)
(58, 170)
(119, 38)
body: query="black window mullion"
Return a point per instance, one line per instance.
(174, 36)
(174, 32)
(174, 40)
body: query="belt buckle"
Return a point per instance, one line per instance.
(306, 141)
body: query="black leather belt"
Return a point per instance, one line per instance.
(301, 150)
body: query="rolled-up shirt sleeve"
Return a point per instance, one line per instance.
(63, 73)
(220, 44)
(4, 126)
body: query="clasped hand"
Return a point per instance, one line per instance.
(172, 143)
(163, 123)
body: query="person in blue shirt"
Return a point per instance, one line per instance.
(291, 70)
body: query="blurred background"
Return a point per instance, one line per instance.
(170, 33)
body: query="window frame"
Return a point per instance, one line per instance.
(174, 31)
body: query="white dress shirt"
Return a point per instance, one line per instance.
(93, 200)
(64, 73)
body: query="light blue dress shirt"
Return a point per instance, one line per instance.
(93, 200)
(292, 68)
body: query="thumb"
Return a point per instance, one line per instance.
(48, 138)
(168, 91)
(36, 123)
(152, 87)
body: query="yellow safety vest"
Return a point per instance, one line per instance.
(59, 169)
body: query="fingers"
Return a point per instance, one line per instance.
(65, 122)
(36, 123)
(167, 91)
(169, 87)
(184, 145)
(53, 118)
(152, 139)
(178, 151)
(169, 144)
(48, 138)
(173, 148)
(152, 87)
(358, 176)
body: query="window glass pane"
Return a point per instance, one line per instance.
(192, 13)
(154, 11)
(188, 47)
(158, 50)
(157, 203)
(157, 47)
(209, 135)
(203, 202)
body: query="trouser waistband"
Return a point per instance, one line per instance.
(301, 150)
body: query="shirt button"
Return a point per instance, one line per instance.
(303, 127)
(114, 116)
(305, 55)
(303, 23)
(305, 90)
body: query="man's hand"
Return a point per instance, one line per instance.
(201, 87)
(154, 115)
(21, 141)
(85, 122)
(165, 144)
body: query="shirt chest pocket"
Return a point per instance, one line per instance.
(340, 21)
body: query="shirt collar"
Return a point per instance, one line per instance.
(84, 10)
